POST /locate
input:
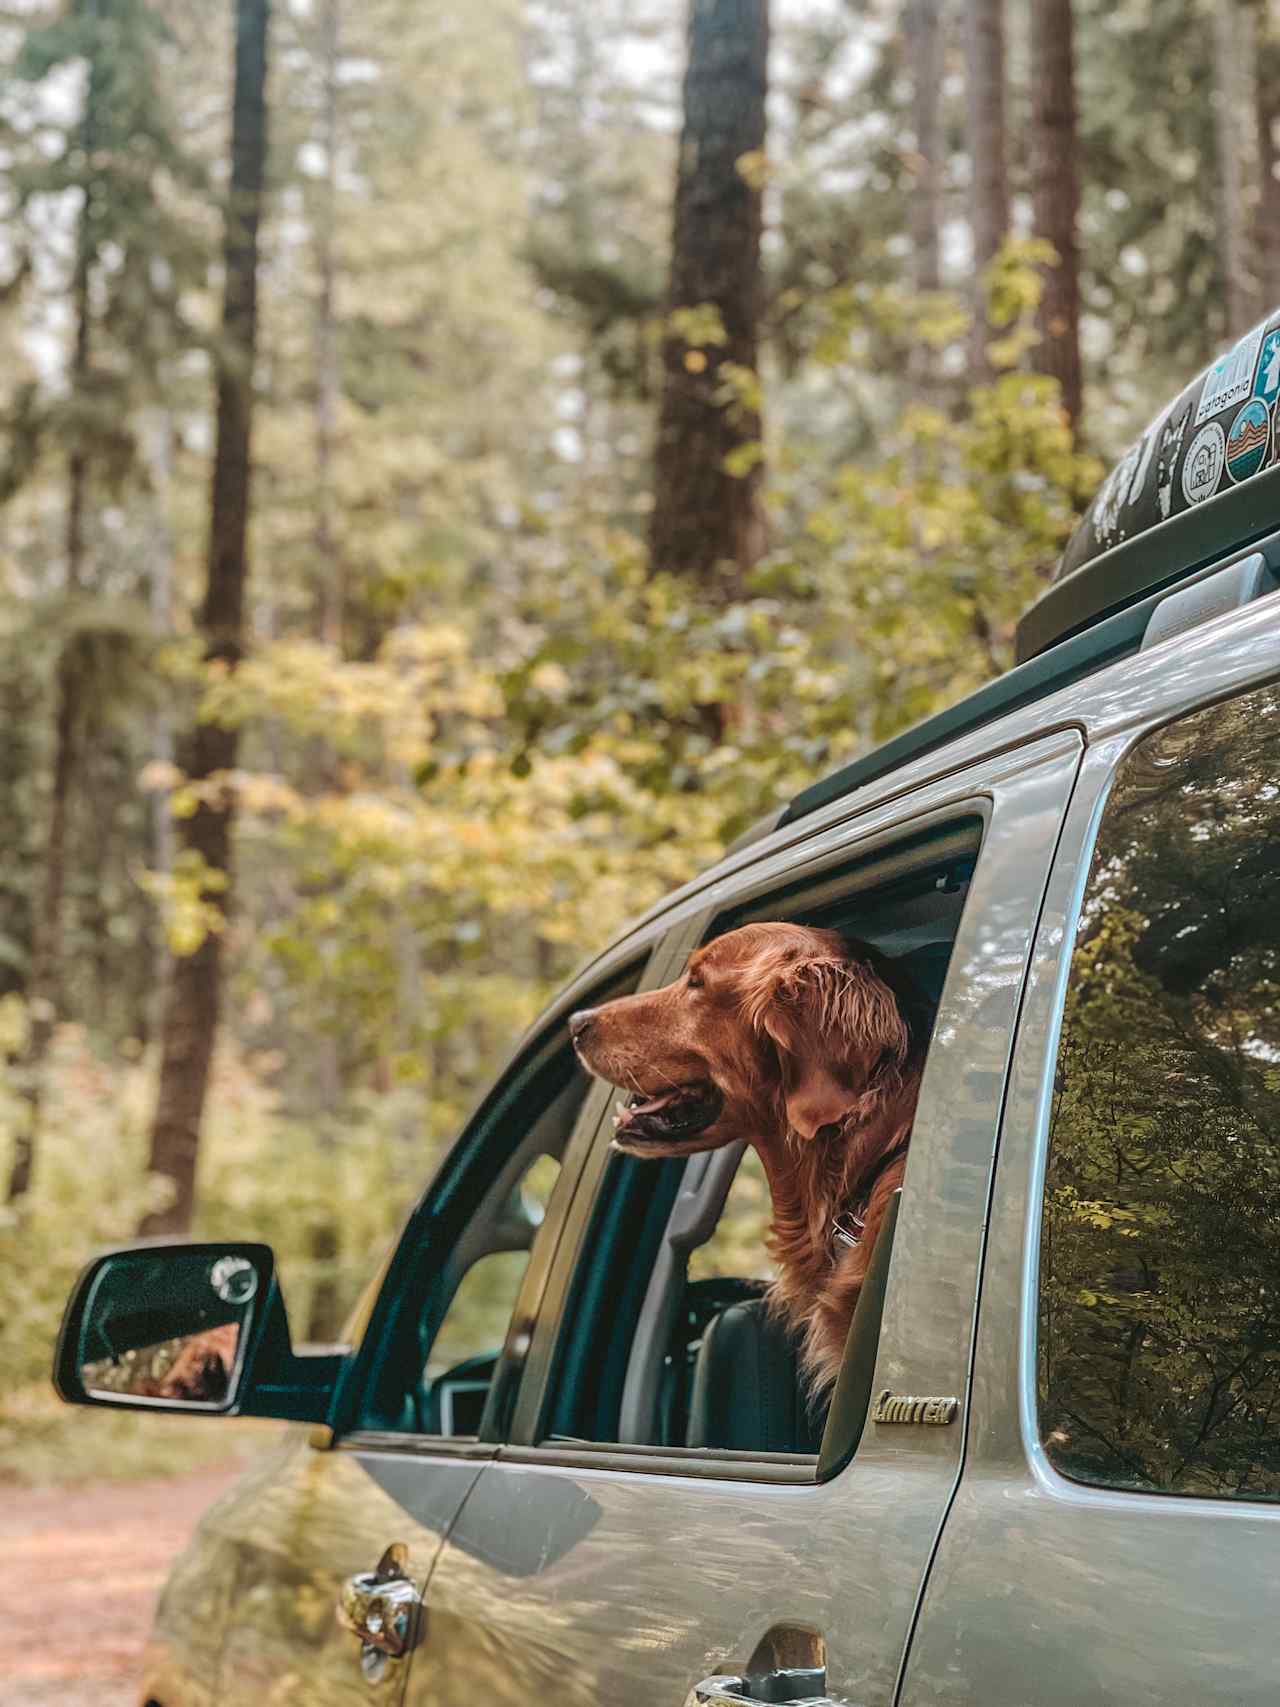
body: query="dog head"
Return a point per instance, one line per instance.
(770, 1030)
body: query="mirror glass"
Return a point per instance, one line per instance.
(168, 1324)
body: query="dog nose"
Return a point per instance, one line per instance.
(580, 1024)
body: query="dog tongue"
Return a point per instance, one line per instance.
(651, 1105)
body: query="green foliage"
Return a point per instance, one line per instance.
(476, 734)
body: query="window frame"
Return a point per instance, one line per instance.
(901, 837)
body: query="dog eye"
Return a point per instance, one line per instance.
(695, 981)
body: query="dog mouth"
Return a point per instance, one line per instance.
(682, 1112)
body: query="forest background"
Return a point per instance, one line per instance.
(651, 408)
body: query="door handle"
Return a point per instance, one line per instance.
(384, 1609)
(797, 1686)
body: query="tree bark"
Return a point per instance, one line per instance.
(1056, 195)
(326, 400)
(190, 1018)
(1238, 284)
(44, 980)
(707, 522)
(1267, 232)
(988, 170)
(922, 37)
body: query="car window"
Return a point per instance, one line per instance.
(438, 1330)
(737, 1246)
(1159, 1308)
(460, 1363)
(670, 1339)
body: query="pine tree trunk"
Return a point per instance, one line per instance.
(922, 25)
(1237, 279)
(45, 978)
(706, 521)
(988, 170)
(1056, 194)
(189, 1022)
(326, 405)
(1267, 233)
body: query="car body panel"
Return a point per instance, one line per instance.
(248, 1616)
(621, 1584)
(1044, 1589)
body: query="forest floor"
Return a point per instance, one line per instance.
(80, 1567)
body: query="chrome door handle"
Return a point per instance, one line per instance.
(797, 1686)
(384, 1609)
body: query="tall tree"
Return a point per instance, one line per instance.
(1239, 291)
(130, 256)
(922, 26)
(1266, 97)
(1056, 194)
(706, 518)
(190, 1018)
(984, 56)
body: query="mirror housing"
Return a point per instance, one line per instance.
(195, 1327)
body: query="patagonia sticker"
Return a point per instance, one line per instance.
(1230, 379)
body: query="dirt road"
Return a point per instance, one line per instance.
(79, 1571)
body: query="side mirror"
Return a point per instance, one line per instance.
(190, 1327)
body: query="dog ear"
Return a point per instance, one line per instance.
(836, 1026)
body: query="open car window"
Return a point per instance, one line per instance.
(668, 1341)
(435, 1341)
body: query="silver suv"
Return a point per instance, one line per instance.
(566, 1458)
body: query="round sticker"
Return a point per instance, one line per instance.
(1203, 468)
(1248, 440)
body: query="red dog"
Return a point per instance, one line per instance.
(783, 1036)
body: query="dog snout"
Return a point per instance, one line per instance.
(580, 1024)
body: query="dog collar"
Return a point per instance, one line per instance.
(849, 1226)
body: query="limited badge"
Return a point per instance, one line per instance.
(1230, 379)
(1172, 434)
(891, 1407)
(1202, 470)
(1249, 440)
(1267, 383)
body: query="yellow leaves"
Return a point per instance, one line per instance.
(189, 897)
(754, 168)
(697, 326)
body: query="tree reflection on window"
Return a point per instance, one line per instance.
(1159, 1316)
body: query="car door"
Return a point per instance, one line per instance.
(585, 1571)
(249, 1616)
(1116, 1534)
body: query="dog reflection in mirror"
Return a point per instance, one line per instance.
(794, 1040)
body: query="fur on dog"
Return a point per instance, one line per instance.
(798, 1042)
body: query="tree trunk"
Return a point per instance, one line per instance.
(988, 171)
(1237, 278)
(190, 1018)
(1056, 194)
(922, 36)
(1267, 238)
(707, 521)
(328, 565)
(45, 978)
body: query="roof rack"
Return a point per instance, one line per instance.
(1198, 488)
